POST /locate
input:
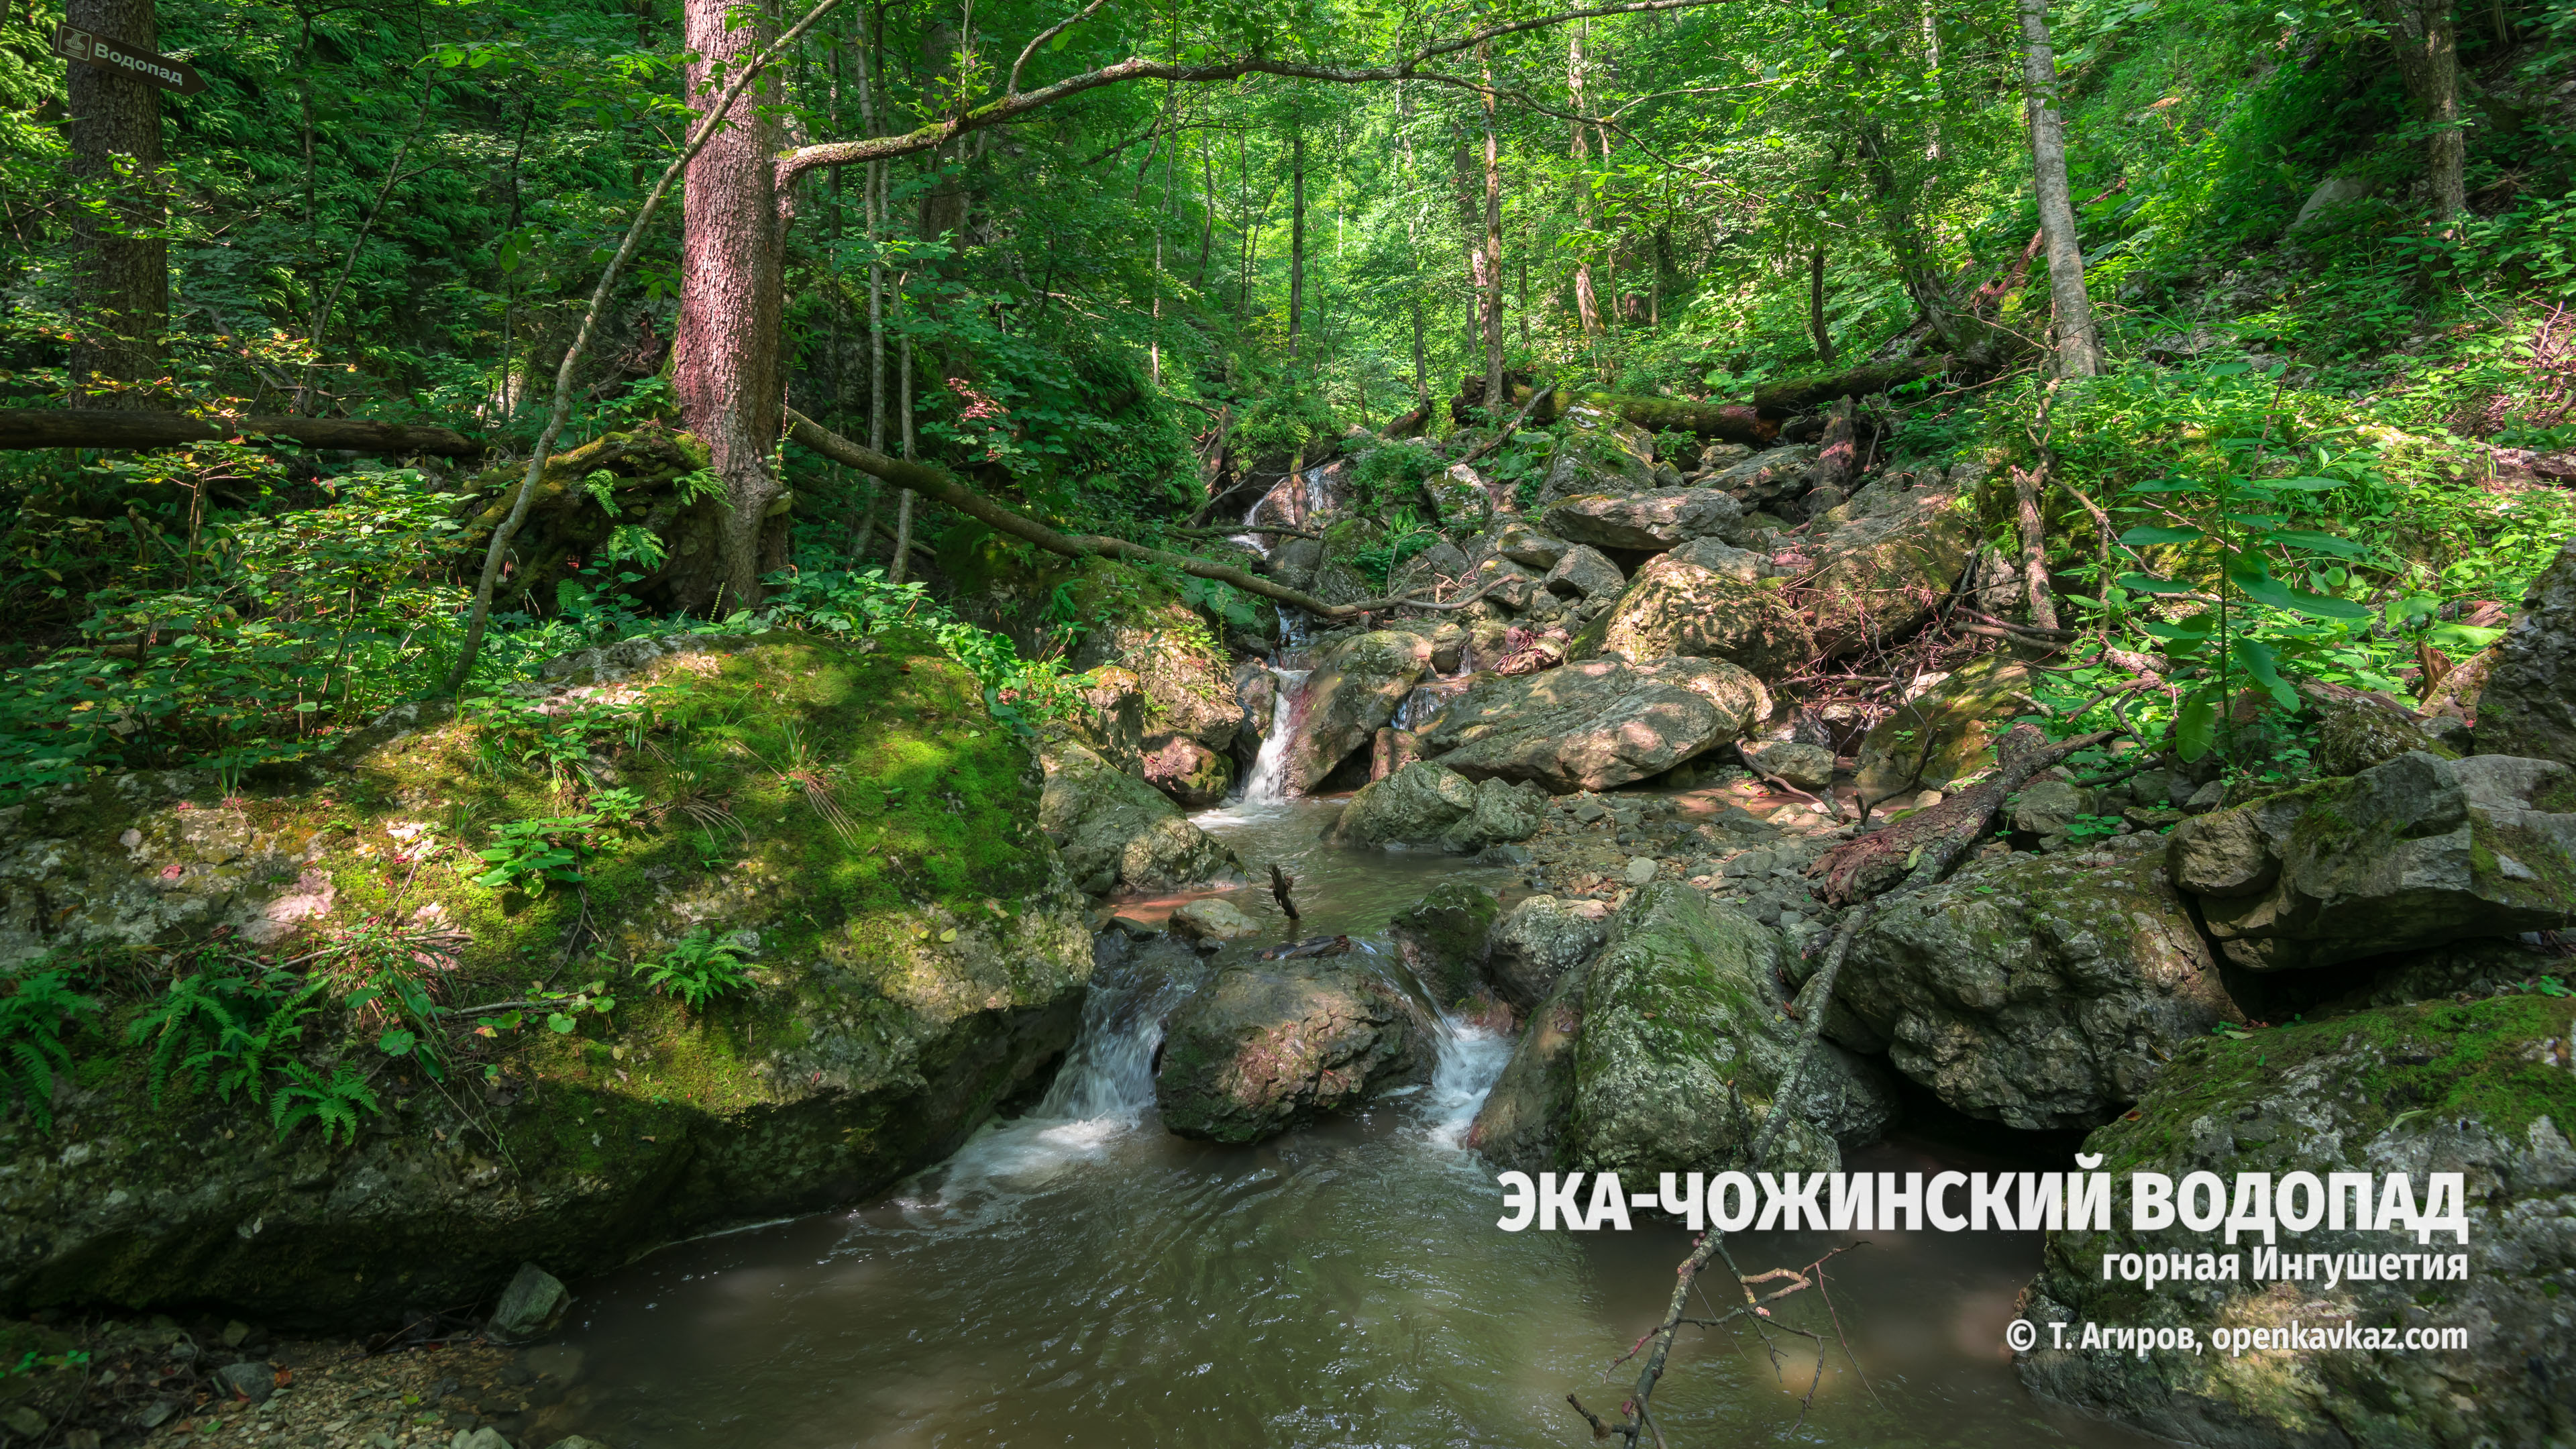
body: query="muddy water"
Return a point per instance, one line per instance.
(1079, 1277)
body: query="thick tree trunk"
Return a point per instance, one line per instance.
(2425, 37)
(120, 268)
(1493, 247)
(1296, 236)
(2078, 347)
(724, 359)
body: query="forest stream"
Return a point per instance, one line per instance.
(1078, 1276)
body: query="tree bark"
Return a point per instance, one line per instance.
(120, 265)
(903, 504)
(1493, 245)
(724, 358)
(2078, 347)
(100, 427)
(2425, 37)
(1914, 263)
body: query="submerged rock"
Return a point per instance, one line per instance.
(2478, 1089)
(2404, 855)
(2528, 706)
(1594, 725)
(1116, 831)
(1429, 804)
(1355, 689)
(1266, 1046)
(2046, 992)
(1661, 1054)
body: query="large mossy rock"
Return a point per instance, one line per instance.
(1266, 1046)
(1119, 833)
(1657, 519)
(1661, 1054)
(1353, 692)
(1945, 734)
(1540, 939)
(1598, 453)
(2409, 854)
(1162, 682)
(1595, 725)
(1443, 939)
(2529, 704)
(917, 956)
(1429, 804)
(1703, 600)
(2046, 992)
(2482, 1089)
(1877, 578)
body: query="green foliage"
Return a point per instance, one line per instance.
(39, 1008)
(528, 854)
(697, 969)
(305, 1095)
(229, 1032)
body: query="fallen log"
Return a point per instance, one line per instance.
(932, 481)
(1922, 847)
(104, 428)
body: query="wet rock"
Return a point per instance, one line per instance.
(1945, 734)
(2044, 992)
(1593, 725)
(1704, 600)
(1538, 941)
(1661, 1054)
(1809, 767)
(1117, 831)
(1444, 938)
(1876, 579)
(1190, 774)
(530, 1307)
(1429, 804)
(1584, 574)
(1213, 920)
(252, 1381)
(2529, 704)
(2440, 1087)
(1354, 691)
(1264, 1047)
(2409, 854)
(1654, 520)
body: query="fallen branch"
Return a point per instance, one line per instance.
(102, 428)
(933, 481)
(1929, 841)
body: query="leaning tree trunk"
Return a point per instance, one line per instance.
(120, 265)
(2078, 347)
(724, 360)
(2425, 36)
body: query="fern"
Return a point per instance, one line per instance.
(697, 970)
(306, 1095)
(32, 1019)
(225, 1032)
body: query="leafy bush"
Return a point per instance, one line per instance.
(39, 1008)
(698, 969)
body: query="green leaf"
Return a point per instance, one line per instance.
(559, 1023)
(2146, 584)
(397, 1043)
(2196, 728)
(2321, 542)
(1058, 42)
(2265, 670)
(2308, 485)
(2142, 536)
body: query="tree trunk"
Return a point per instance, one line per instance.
(903, 505)
(724, 358)
(1421, 372)
(1493, 247)
(1296, 235)
(2078, 347)
(2425, 36)
(120, 283)
(1816, 307)
(1914, 263)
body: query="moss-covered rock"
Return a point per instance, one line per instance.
(1442, 938)
(1704, 600)
(628, 479)
(1594, 725)
(1428, 804)
(1662, 1053)
(1945, 734)
(1876, 579)
(1354, 690)
(849, 818)
(1119, 833)
(2528, 706)
(1651, 520)
(2481, 1089)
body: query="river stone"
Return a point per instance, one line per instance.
(2404, 855)
(1538, 941)
(1593, 725)
(1118, 832)
(1660, 1055)
(2356, 731)
(1876, 579)
(1443, 937)
(2481, 1089)
(1654, 520)
(1354, 691)
(1264, 1047)
(252, 1381)
(2047, 807)
(1190, 774)
(1704, 600)
(2041, 993)
(1584, 574)
(1214, 919)
(1429, 804)
(1809, 767)
(1530, 548)
(1597, 452)
(1945, 734)
(1508, 584)
(2529, 704)
(530, 1307)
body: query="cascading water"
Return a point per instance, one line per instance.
(1268, 782)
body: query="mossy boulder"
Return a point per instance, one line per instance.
(1428, 804)
(2528, 706)
(2482, 1089)
(1162, 667)
(1119, 833)
(1598, 453)
(848, 818)
(1662, 1052)
(1353, 692)
(1704, 600)
(1442, 939)
(1594, 725)
(1651, 520)
(1945, 734)
(631, 478)
(1266, 1046)
(2413, 853)
(1540, 939)
(2046, 992)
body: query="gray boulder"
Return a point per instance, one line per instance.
(249, 1380)
(1704, 600)
(1661, 1055)
(1537, 941)
(1429, 804)
(1530, 548)
(2409, 854)
(1767, 476)
(530, 1307)
(1597, 452)
(2478, 1089)
(1876, 579)
(1584, 574)
(1445, 938)
(1593, 725)
(1117, 831)
(1651, 520)
(1353, 692)
(1809, 767)
(1264, 1047)
(2529, 704)
(2042, 993)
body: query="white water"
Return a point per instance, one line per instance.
(1268, 783)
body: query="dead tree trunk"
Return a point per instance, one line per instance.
(724, 359)
(120, 265)
(2078, 347)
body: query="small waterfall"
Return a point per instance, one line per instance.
(1470, 1059)
(1268, 784)
(1108, 1075)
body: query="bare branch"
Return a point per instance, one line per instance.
(1012, 87)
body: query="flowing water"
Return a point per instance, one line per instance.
(1079, 1277)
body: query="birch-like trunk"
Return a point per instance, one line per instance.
(2078, 347)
